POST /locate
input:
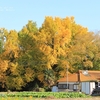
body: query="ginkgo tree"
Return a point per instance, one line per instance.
(54, 36)
(82, 49)
(96, 58)
(42, 55)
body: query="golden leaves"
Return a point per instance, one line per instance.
(55, 34)
(57, 42)
(88, 64)
(3, 65)
(13, 67)
(11, 44)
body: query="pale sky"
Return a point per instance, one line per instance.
(14, 14)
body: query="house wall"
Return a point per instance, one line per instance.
(87, 87)
(70, 86)
(92, 87)
(66, 82)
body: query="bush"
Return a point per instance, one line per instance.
(41, 90)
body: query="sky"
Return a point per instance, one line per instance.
(14, 14)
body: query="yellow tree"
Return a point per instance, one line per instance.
(31, 57)
(96, 58)
(3, 62)
(54, 37)
(15, 75)
(10, 54)
(82, 49)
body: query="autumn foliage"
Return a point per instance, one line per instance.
(41, 55)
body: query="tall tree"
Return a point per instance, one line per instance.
(82, 49)
(35, 55)
(54, 37)
(96, 58)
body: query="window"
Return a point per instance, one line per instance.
(62, 86)
(97, 84)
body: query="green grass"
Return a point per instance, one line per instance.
(39, 95)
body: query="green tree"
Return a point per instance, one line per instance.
(96, 58)
(81, 49)
(49, 77)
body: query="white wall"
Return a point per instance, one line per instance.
(92, 86)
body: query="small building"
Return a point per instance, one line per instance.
(83, 81)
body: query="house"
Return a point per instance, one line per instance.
(85, 81)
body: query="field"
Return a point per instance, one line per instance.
(46, 96)
(30, 98)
